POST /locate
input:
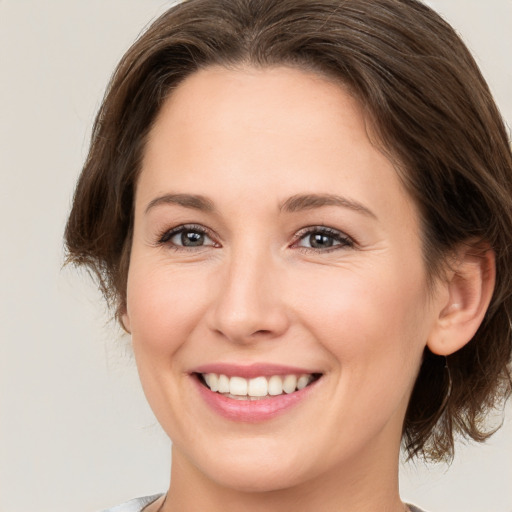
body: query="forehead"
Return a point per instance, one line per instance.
(252, 131)
(282, 101)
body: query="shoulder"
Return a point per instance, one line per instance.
(135, 505)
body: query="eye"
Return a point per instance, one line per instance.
(324, 239)
(187, 236)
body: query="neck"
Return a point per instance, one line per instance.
(366, 484)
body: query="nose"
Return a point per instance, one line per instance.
(249, 304)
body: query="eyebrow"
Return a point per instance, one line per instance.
(311, 201)
(293, 204)
(195, 202)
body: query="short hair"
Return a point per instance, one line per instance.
(431, 110)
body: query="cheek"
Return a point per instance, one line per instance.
(373, 325)
(368, 315)
(163, 306)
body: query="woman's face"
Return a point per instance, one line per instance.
(274, 242)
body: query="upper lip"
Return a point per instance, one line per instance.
(252, 370)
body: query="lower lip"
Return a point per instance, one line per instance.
(251, 411)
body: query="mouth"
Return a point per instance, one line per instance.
(254, 393)
(257, 388)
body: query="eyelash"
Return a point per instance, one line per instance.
(165, 237)
(341, 240)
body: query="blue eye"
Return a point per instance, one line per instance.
(187, 236)
(323, 239)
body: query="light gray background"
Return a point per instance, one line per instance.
(75, 431)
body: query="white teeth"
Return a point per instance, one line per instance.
(289, 384)
(275, 385)
(238, 386)
(223, 384)
(258, 386)
(212, 381)
(303, 381)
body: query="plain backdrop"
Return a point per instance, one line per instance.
(75, 431)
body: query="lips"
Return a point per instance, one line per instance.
(253, 393)
(252, 370)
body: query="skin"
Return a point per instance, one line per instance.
(256, 291)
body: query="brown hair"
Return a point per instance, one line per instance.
(431, 110)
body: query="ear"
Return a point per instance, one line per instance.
(469, 286)
(125, 319)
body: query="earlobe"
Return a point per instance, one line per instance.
(469, 287)
(125, 322)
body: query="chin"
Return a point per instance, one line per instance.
(251, 480)
(261, 469)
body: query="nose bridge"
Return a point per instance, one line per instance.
(248, 304)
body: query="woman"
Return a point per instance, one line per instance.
(302, 214)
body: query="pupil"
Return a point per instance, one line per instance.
(319, 241)
(192, 238)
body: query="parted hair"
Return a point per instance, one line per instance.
(430, 110)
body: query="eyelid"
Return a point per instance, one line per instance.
(345, 240)
(164, 237)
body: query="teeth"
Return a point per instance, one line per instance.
(257, 387)
(289, 384)
(275, 385)
(238, 386)
(303, 381)
(223, 384)
(212, 381)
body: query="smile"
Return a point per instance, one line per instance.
(240, 388)
(254, 393)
